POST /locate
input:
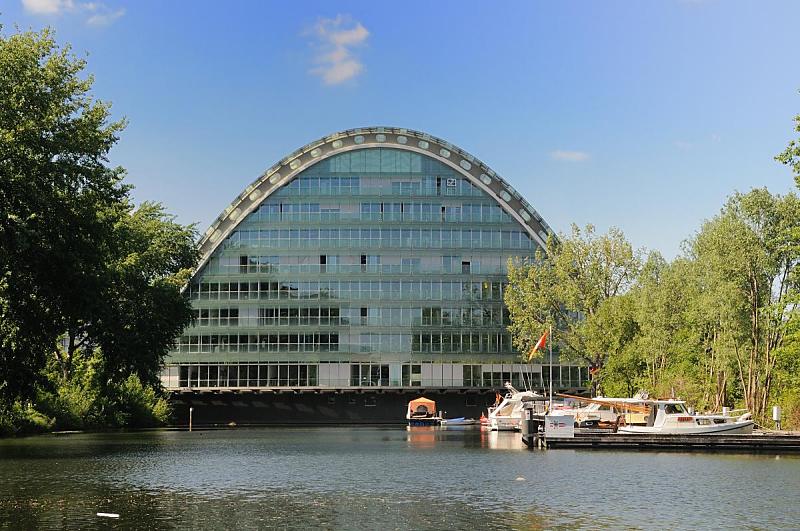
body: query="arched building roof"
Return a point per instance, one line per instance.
(372, 137)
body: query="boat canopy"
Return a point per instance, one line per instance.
(428, 404)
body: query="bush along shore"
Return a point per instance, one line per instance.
(86, 401)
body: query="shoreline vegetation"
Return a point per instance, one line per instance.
(90, 299)
(718, 326)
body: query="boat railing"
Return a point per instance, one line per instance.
(727, 412)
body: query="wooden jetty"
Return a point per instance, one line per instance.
(759, 442)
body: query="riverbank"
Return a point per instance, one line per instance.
(85, 403)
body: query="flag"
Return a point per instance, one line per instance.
(539, 344)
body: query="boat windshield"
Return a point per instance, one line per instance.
(674, 408)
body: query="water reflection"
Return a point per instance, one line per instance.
(355, 478)
(429, 437)
(501, 440)
(422, 437)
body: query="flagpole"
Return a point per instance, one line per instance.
(551, 367)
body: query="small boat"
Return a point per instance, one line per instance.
(507, 416)
(673, 418)
(459, 421)
(422, 412)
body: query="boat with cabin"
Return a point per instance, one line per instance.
(605, 412)
(674, 418)
(508, 415)
(422, 412)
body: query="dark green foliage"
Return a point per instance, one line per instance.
(146, 311)
(86, 400)
(90, 296)
(54, 139)
(19, 418)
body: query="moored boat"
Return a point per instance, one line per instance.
(507, 416)
(671, 417)
(422, 412)
(606, 412)
(459, 421)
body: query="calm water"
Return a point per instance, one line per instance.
(379, 478)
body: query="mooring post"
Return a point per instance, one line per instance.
(191, 410)
(776, 416)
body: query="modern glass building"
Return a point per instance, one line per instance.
(370, 260)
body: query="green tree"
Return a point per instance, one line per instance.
(88, 282)
(154, 257)
(680, 338)
(54, 142)
(786, 389)
(569, 285)
(750, 253)
(791, 155)
(611, 331)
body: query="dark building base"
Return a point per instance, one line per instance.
(249, 408)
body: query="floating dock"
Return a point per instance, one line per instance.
(759, 442)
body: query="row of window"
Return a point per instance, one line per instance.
(367, 375)
(436, 342)
(385, 160)
(443, 343)
(361, 238)
(328, 185)
(334, 264)
(349, 290)
(427, 186)
(273, 375)
(380, 211)
(365, 263)
(365, 316)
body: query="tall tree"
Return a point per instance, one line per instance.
(153, 259)
(570, 285)
(54, 142)
(750, 253)
(679, 333)
(82, 270)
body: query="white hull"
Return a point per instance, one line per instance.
(505, 424)
(729, 428)
(507, 416)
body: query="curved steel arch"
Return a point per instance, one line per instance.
(363, 138)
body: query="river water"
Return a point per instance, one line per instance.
(379, 478)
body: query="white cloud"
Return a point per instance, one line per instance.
(99, 14)
(335, 39)
(104, 17)
(571, 156)
(47, 7)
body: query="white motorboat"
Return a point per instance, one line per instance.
(459, 421)
(507, 416)
(672, 417)
(605, 412)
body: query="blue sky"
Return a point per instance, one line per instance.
(640, 115)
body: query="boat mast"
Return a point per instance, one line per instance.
(551, 367)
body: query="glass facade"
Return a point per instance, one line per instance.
(375, 267)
